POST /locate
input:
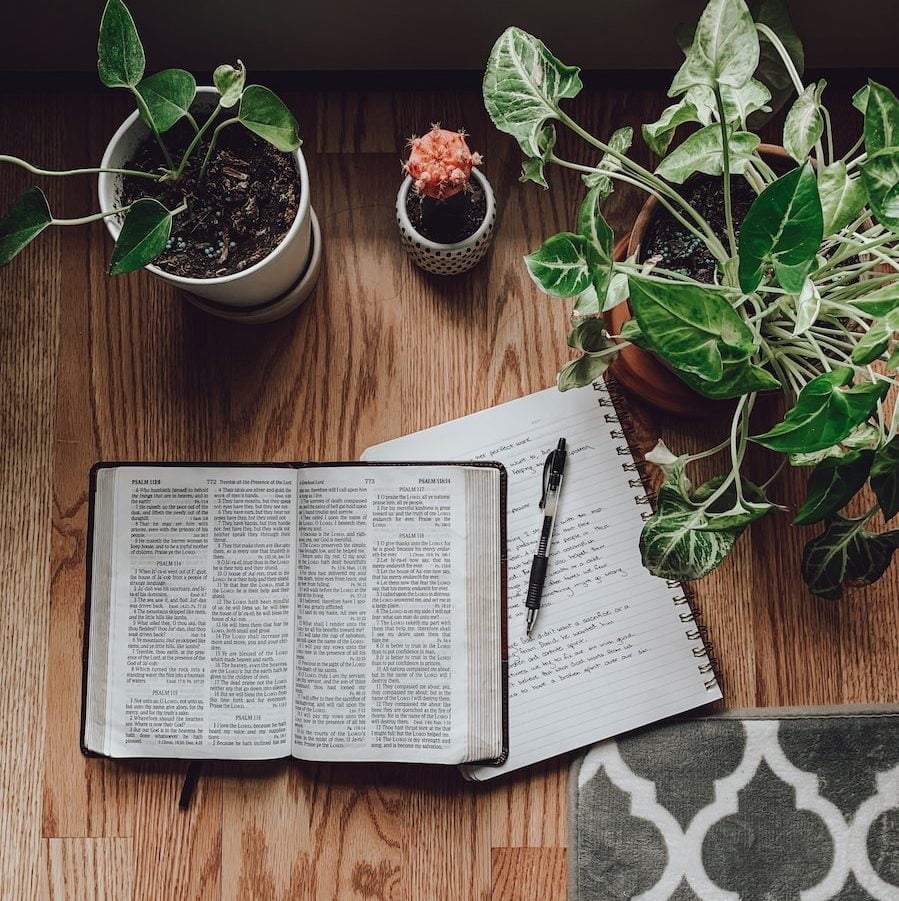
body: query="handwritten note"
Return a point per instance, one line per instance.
(610, 652)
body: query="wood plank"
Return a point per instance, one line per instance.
(530, 874)
(88, 869)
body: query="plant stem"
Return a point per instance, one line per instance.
(649, 178)
(828, 126)
(725, 156)
(709, 239)
(784, 55)
(196, 140)
(148, 119)
(854, 148)
(94, 217)
(35, 170)
(212, 141)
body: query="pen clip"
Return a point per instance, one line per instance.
(546, 469)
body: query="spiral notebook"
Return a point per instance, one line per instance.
(615, 648)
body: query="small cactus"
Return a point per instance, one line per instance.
(440, 163)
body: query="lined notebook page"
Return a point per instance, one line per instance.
(610, 651)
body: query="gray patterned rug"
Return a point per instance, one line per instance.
(764, 805)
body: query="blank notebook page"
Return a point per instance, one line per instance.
(611, 650)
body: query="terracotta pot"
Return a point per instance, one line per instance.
(643, 373)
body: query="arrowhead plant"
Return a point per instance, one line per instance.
(804, 299)
(162, 99)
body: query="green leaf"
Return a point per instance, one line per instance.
(564, 264)
(167, 97)
(690, 326)
(893, 361)
(865, 437)
(657, 135)
(804, 124)
(880, 177)
(874, 343)
(523, 84)
(589, 336)
(881, 118)
(824, 413)
(120, 55)
(740, 103)
(146, 228)
(532, 169)
(229, 82)
(24, 221)
(592, 225)
(738, 378)
(784, 228)
(617, 292)
(860, 99)
(702, 152)
(725, 48)
(845, 553)
(808, 305)
(885, 478)
(265, 114)
(672, 544)
(842, 197)
(620, 141)
(832, 484)
(879, 302)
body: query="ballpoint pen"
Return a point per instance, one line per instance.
(553, 469)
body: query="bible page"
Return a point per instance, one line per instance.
(200, 632)
(381, 616)
(609, 652)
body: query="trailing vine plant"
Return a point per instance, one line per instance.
(162, 100)
(805, 299)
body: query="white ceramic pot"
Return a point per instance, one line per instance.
(446, 259)
(266, 281)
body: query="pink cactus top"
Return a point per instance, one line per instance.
(440, 163)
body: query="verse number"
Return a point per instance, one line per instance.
(212, 481)
(369, 481)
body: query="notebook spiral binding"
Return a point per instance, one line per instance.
(609, 395)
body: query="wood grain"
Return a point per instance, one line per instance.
(125, 369)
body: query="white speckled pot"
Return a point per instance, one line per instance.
(265, 281)
(446, 259)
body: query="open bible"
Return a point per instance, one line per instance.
(328, 612)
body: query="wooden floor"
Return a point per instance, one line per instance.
(97, 369)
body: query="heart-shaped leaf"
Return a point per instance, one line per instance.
(874, 343)
(808, 305)
(24, 221)
(728, 512)
(860, 99)
(620, 141)
(690, 326)
(229, 82)
(881, 118)
(564, 264)
(592, 225)
(826, 411)
(842, 197)
(725, 48)
(167, 97)
(120, 54)
(846, 553)
(265, 114)
(885, 478)
(865, 437)
(523, 84)
(880, 177)
(672, 544)
(832, 484)
(657, 135)
(784, 228)
(702, 152)
(532, 169)
(804, 124)
(591, 337)
(146, 228)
